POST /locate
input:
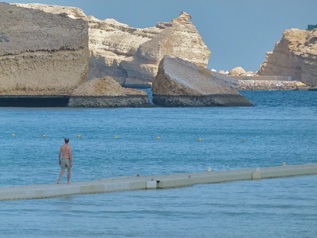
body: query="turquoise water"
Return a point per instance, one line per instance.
(282, 127)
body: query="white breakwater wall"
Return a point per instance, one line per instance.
(153, 182)
(265, 78)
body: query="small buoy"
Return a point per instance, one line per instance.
(78, 136)
(200, 139)
(157, 138)
(116, 137)
(44, 136)
(13, 134)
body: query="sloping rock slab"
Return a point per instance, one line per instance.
(106, 92)
(180, 83)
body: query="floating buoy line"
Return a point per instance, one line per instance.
(79, 136)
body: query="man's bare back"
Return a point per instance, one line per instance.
(65, 152)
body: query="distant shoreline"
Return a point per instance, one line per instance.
(63, 100)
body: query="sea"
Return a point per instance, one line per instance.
(281, 127)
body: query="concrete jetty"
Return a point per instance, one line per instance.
(153, 182)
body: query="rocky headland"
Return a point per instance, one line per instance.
(292, 65)
(60, 53)
(44, 58)
(294, 55)
(132, 55)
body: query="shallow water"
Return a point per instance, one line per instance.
(282, 127)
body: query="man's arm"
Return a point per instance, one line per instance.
(59, 156)
(70, 157)
(60, 153)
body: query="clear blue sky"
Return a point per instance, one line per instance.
(238, 32)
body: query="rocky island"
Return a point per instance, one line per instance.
(292, 65)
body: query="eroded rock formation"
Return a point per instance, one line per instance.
(294, 55)
(132, 54)
(41, 53)
(117, 49)
(106, 92)
(182, 83)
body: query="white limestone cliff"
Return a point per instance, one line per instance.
(119, 50)
(294, 55)
(130, 54)
(41, 53)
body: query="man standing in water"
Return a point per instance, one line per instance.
(65, 160)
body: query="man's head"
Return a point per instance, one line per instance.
(66, 140)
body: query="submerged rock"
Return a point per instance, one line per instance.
(106, 92)
(180, 83)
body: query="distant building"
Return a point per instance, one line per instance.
(311, 27)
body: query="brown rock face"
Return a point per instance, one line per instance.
(294, 55)
(106, 92)
(182, 83)
(41, 53)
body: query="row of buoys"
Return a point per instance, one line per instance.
(117, 137)
(44, 135)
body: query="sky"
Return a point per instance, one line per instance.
(237, 32)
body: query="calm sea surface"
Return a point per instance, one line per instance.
(281, 127)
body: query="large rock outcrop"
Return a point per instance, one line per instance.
(41, 53)
(294, 55)
(131, 54)
(106, 92)
(182, 83)
(117, 49)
